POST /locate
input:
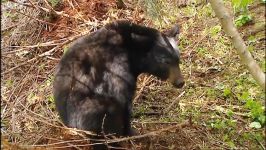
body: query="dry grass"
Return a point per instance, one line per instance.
(35, 37)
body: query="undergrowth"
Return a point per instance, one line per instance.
(223, 101)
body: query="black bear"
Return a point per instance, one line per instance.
(96, 78)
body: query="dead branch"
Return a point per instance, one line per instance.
(47, 10)
(231, 31)
(144, 83)
(174, 102)
(22, 48)
(153, 133)
(42, 21)
(47, 53)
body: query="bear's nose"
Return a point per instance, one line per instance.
(179, 84)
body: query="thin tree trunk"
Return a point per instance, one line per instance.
(231, 31)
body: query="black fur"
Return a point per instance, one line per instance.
(96, 78)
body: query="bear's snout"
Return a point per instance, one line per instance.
(176, 77)
(179, 83)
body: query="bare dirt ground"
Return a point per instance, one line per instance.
(210, 112)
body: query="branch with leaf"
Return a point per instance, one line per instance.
(231, 31)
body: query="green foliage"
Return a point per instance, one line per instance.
(243, 20)
(215, 30)
(256, 111)
(227, 124)
(230, 144)
(51, 101)
(250, 48)
(202, 51)
(153, 8)
(140, 111)
(65, 49)
(227, 92)
(218, 124)
(241, 5)
(13, 16)
(206, 11)
(54, 3)
(9, 83)
(162, 12)
(252, 39)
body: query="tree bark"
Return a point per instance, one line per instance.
(231, 31)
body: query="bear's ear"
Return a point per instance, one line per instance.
(173, 32)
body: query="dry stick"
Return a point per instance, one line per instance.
(153, 133)
(28, 47)
(8, 28)
(47, 53)
(174, 102)
(71, 4)
(46, 44)
(51, 10)
(42, 21)
(32, 4)
(146, 81)
(238, 42)
(23, 4)
(30, 60)
(60, 127)
(105, 137)
(49, 6)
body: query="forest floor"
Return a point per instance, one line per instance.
(224, 106)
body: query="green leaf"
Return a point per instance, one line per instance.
(231, 144)
(227, 92)
(229, 113)
(65, 48)
(54, 2)
(215, 30)
(262, 119)
(243, 20)
(256, 125)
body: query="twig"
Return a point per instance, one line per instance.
(105, 137)
(60, 127)
(51, 10)
(32, 4)
(153, 133)
(239, 44)
(156, 122)
(31, 60)
(23, 4)
(8, 28)
(46, 44)
(47, 53)
(71, 4)
(173, 103)
(42, 21)
(146, 81)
